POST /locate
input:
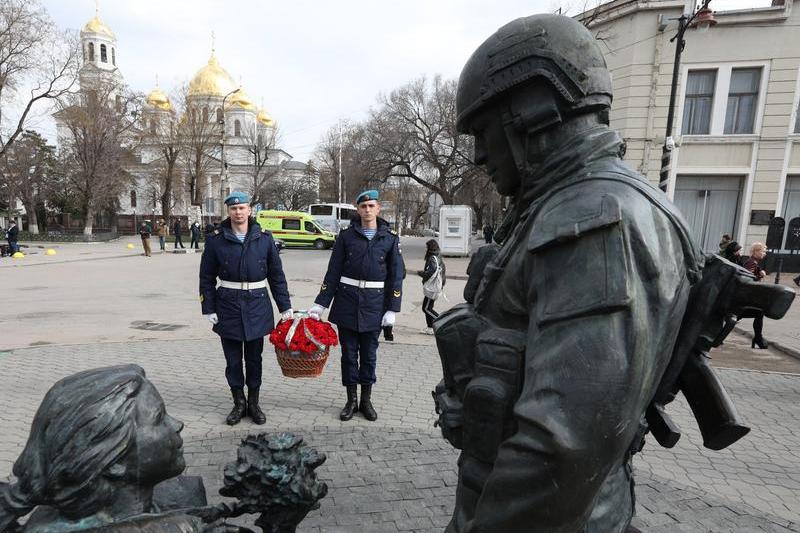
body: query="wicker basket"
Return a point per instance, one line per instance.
(300, 365)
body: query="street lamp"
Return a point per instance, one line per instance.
(703, 18)
(223, 174)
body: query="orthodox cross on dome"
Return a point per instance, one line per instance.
(96, 8)
(213, 46)
(156, 80)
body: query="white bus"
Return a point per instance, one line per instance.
(333, 217)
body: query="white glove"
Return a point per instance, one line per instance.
(316, 311)
(213, 318)
(287, 315)
(388, 319)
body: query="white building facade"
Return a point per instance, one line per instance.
(737, 158)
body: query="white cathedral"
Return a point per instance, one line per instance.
(244, 124)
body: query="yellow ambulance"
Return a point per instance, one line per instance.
(295, 228)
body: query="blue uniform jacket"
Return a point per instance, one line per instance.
(354, 256)
(243, 315)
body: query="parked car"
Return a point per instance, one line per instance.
(428, 232)
(296, 228)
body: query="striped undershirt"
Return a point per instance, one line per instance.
(370, 233)
(240, 236)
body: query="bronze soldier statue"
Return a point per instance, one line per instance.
(576, 309)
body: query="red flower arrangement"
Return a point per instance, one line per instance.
(319, 331)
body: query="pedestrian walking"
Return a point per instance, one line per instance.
(488, 233)
(163, 231)
(177, 229)
(433, 280)
(364, 281)
(144, 233)
(12, 236)
(758, 251)
(723, 244)
(195, 229)
(244, 258)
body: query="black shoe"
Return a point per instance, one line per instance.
(253, 410)
(797, 281)
(239, 407)
(760, 342)
(366, 405)
(351, 407)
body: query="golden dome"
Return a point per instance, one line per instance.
(241, 99)
(158, 99)
(96, 26)
(265, 118)
(211, 80)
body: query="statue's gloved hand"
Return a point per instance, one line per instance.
(316, 311)
(288, 314)
(212, 317)
(388, 318)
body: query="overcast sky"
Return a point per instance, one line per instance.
(312, 62)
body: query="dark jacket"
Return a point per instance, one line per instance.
(754, 267)
(13, 233)
(176, 228)
(243, 315)
(430, 268)
(356, 257)
(144, 231)
(195, 228)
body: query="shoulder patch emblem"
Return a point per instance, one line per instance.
(201, 298)
(397, 294)
(324, 287)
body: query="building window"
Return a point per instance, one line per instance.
(237, 128)
(114, 57)
(205, 114)
(220, 118)
(153, 127)
(91, 51)
(103, 54)
(742, 99)
(699, 99)
(133, 198)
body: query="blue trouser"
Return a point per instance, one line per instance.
(359, 356)
(252, 362)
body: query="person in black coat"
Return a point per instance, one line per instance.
(245, 259)
(176, 228)
(195, 229)
(364, 280)
(12, 234)
(434, 266)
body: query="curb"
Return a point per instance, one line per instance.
(791, 352)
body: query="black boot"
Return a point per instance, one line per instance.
(760, 342)
(239, 407)
(351, 407)
(366, 405)
(253, 410)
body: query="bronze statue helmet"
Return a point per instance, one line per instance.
(554, 49)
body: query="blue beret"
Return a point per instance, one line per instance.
(237, 197)
(370, 194)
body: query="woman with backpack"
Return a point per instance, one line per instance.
(433, 280)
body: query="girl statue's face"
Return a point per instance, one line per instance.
(158, 454)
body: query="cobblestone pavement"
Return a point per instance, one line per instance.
(754, 486)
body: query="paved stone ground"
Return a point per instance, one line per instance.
(754, 486)
(784, 334)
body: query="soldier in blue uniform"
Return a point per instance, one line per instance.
(245, 259)
(364, 280)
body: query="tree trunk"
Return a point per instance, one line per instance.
(166, 196)
(33, 220)
(88, 222)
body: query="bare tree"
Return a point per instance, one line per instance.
(200, 136)
(36, 59)
(102, 135)
(358, 162)
(260, 141)
(27, 167)
(294, 193)
(162, 136)
(413, 135)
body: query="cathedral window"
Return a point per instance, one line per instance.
(220, 118)
(133, 199)
(237, 128)
(91, 51)
(205, 114)
(103, 54)
(153, 126)
(194, 116)
(114, 56)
